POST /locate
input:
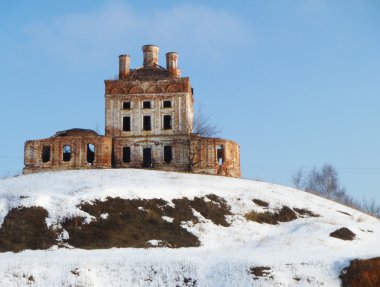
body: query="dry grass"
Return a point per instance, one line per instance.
(260, 202)
(215, 210)
(25, 228)
(343, 233)
(285, 214)
(361, 273)
(260, 271)
(131, 223)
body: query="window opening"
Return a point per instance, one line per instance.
(167, 104)
(126, 124)
(126, 105)
(168, 155)
(46, 154)
(126, 154)
(220, 154)
(90, 153)
(147, 157)
(66, 153)
(147, 123)
(167, 122)
(146, 105)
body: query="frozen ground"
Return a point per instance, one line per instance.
(299, 253)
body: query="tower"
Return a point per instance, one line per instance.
(149, 111)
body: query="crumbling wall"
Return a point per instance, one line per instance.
(212, 156)
(79, 158)
(177, 162)
(149, 120)
(217, 156)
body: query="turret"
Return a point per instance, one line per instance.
(150, 56)
(172, 64)
(124, 66)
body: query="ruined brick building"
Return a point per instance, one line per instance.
(149, 124)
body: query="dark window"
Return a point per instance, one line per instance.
(147, 157)
(167, 122)
(90, 153)
(167, 104)
(126, 105)
(126, 154)
(46, 154)
(220, 154)
(126, 124)
(147, 125)
(168, 156)
(66, 156)
(146, 105)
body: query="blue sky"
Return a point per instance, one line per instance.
(296, 83)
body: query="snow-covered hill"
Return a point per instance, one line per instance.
(299, 252)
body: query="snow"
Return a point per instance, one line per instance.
(301, 248)
(168, 219)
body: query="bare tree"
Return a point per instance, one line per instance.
(298, 179)
(370, 207)
(328, 181)
(325, 182)
(201, 129)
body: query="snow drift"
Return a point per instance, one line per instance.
(244, 233)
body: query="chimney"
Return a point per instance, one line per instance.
(172, 64)
(150, 56)
(124, 66)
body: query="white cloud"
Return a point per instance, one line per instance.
(117, 28)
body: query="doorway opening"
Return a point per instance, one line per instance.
(147, 157)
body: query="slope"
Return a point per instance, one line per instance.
(238, 232)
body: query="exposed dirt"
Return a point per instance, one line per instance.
(118, 223)
(181, 212)
(361, 273)
(343, 233)
(132, 223)
(260, 202)
(260, 271)
(285, 214)
(25, 228)
(215, 210)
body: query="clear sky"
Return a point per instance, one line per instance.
(296, 82)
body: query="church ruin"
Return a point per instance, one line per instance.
(149, 124)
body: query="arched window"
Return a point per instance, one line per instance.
(66, 155)
(220, 154)
(90, 153)
(45, 154)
